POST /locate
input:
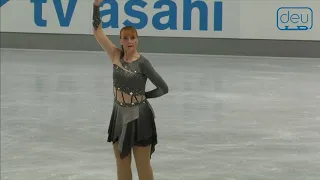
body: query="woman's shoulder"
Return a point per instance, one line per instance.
(143, 60)
(116, 55)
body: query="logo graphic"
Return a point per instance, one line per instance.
(3, 2)
(294, 18)
(165, 14)
(171, 13)
(63, 16)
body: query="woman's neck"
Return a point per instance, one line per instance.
(129, 57)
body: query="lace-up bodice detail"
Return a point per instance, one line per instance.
(129, 81)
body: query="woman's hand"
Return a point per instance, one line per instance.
(96, 19)
(97, 2)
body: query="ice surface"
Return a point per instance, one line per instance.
(225, 118)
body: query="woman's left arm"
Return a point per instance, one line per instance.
(156, 79)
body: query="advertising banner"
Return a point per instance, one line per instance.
(46, 16)
(173, 18)
(183, 18)
(246, 19)
(281, 19)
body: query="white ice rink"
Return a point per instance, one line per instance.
(225, 118)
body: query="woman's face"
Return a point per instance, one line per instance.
(129, 40)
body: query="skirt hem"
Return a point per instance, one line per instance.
(152, 140)
(139, 132)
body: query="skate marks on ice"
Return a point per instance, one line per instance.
(224, 118)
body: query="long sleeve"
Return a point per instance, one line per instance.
(96, 19)
(156, 79)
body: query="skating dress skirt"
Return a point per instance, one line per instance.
(132, 121)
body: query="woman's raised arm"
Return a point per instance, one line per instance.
(105, 43)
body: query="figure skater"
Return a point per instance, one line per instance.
(132, 126)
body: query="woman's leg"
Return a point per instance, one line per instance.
(123, 165)
(142, 159)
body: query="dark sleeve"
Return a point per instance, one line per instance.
(96, 20)
(156, 79)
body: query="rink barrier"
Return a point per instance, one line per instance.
(241, 47)
(239, 27)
